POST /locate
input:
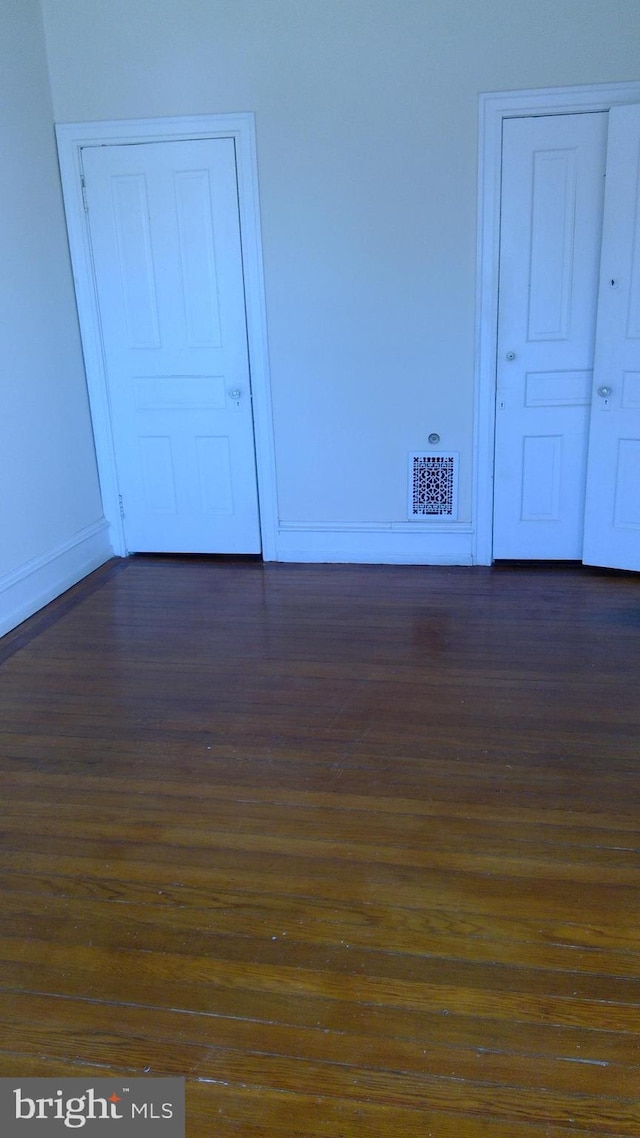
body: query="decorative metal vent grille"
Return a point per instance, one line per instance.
(433, 485)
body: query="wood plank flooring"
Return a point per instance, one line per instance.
(353, 849)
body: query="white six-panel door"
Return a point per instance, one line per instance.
(612, 515)
(567, 443)
(552, 193)
(165, 237)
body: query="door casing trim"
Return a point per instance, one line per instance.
(71, 138)
(494, 108)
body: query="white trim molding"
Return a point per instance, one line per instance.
(72, 137)
(31, 586)
(372, 543)
(494, 108)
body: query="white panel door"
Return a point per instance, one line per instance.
(552, 195)
(165, 236)
(612, 515)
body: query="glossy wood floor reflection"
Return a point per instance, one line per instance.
(354, 849)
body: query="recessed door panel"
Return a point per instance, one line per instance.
(137, 277)
(626, 511)
(553, 209)
(541, 478)
(156, 461)
(558, 388)
(197, 258)
(214, 474)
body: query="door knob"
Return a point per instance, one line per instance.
(235, 394)
(510, 356)
(604, 391)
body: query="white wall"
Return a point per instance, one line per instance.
(50, 509)
(366, 114)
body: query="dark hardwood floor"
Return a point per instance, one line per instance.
(354, 849)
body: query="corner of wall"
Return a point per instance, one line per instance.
(39, 581)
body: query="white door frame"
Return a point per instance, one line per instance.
(72, 137)
(494, 108)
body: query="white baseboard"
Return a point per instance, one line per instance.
(398, 543)
(31, 586)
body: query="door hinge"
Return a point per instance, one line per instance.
(121, 505)
(84, 193)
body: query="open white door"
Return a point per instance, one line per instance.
(166, 244)
(612, 512)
